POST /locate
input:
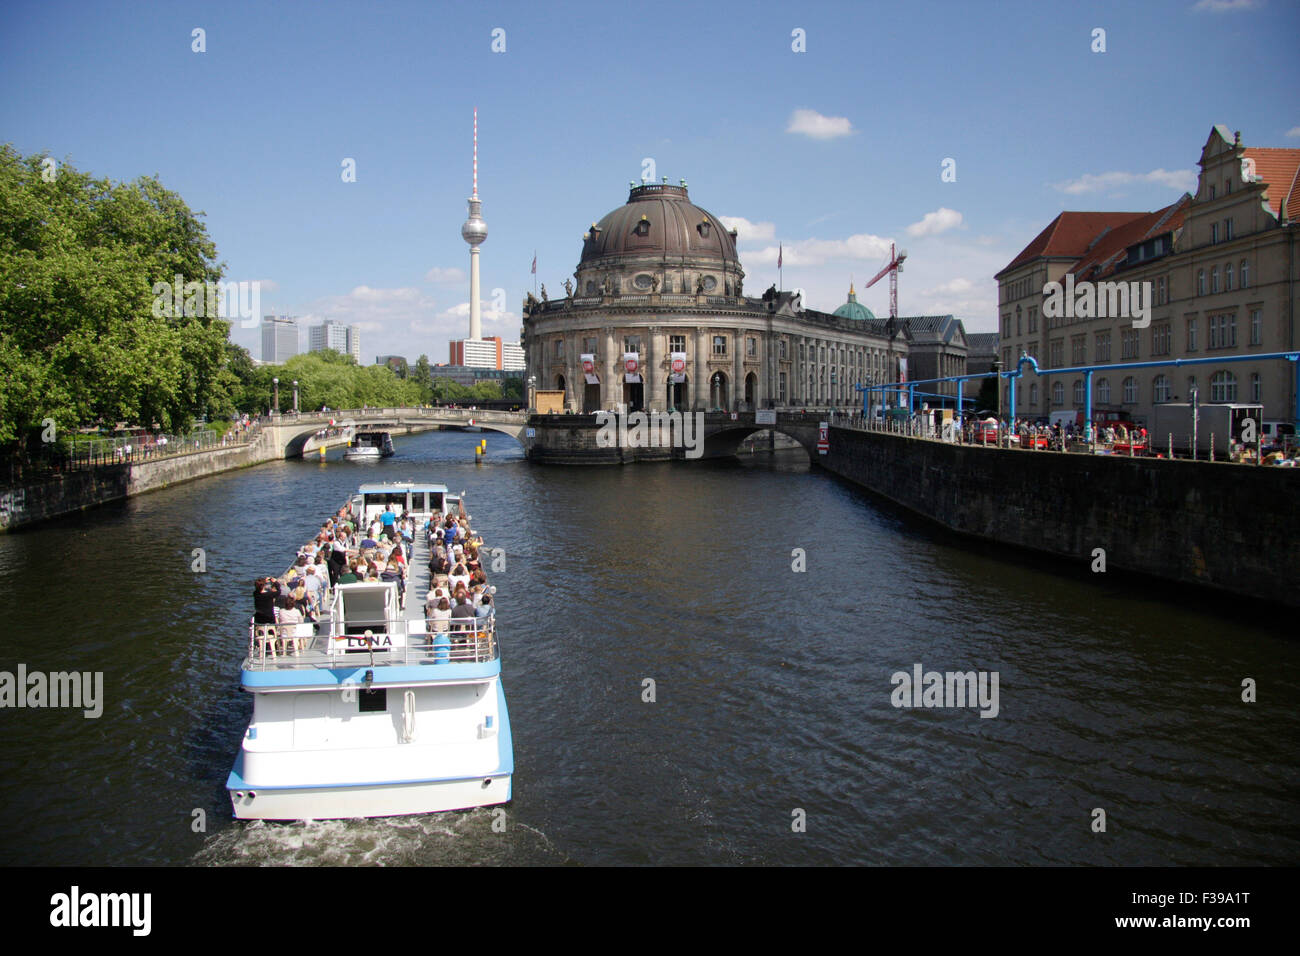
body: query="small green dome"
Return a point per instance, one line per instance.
(853, 309)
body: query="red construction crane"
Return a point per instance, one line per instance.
(893, 268)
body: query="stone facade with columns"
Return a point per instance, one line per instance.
(660, 275)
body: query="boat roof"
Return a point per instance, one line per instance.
(380, 487)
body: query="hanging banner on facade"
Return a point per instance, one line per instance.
(589, 369)
(678, 367)
(902, 369)
(631, 366)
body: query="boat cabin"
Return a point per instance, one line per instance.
(420, 499)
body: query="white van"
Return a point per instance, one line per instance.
(1064, 418)
(1277, 433)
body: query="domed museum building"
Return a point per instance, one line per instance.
(657, 318)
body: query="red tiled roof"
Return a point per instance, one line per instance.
(1070, 234)
(1280, 168)
(1111, 250)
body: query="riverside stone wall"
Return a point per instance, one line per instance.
(1228, 527)
(77, 490)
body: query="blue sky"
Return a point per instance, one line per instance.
(832, 152)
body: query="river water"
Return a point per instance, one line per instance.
(771, 738)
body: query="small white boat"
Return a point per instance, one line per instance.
(374, 715)
(370, 446)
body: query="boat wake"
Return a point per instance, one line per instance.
(460, 838)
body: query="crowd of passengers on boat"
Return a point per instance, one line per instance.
(343, 553)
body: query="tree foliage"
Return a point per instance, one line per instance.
(79, 342)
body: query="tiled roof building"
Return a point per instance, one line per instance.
(1222, 266)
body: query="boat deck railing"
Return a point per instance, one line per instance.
(379, 643)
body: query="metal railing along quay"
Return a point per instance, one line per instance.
(1028, 439)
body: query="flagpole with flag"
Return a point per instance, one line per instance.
(534, 272)
(780, 258)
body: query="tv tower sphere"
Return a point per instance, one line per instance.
(475, 229)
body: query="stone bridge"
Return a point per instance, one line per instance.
(560, 439)
(288, 434)
(574, 439)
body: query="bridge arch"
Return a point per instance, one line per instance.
(291, 434)
(725, 438)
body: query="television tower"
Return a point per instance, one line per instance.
(474, 232)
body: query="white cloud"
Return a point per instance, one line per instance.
(437, 274)
(952, 287)
(460, 312)
(264, 285)
(1227, 6)
(933, 223)
(812, 124)
(1293, 132)
(749, 231)
(1183, 180)
(811, 252)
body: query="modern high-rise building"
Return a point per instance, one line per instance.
(487, 353)
(344, 339)
(279, 338)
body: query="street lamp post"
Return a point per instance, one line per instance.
(295, 396)
(275, 401)
(997, 389)
(1196, 416)
(532, 393)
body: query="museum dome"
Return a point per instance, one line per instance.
(660, 232)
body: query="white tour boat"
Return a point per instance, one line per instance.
(375, 716)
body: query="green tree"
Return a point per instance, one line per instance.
(80, 340)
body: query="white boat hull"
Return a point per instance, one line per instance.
(387, 800)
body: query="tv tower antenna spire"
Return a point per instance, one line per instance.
(474, 231)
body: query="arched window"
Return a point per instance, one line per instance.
(1058, 393)
(1078, 391)
(1245, 274)
(1200, 282)
(1103, 391)
(1033, 394)
(1191, 386)
(1256, 388)
(1223, 387)
(1018, 320)
(1214, 279)
(1160, 389)
(1227, 277)
(1130, 391)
